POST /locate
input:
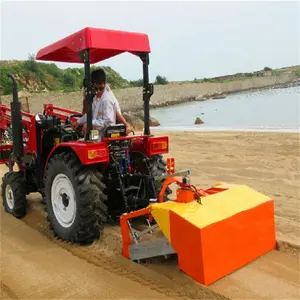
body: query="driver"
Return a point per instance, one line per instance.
(119, 116)
(103, 107)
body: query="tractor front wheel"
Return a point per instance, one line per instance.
(14, 194)
(74, 199)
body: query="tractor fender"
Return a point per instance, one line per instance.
(87, 153)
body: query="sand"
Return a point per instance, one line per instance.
(268, 162)
(35, 265)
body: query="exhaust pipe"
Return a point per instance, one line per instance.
(16, 119)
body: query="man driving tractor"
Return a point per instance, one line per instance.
(98, 78)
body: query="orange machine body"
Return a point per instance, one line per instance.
(215, 231)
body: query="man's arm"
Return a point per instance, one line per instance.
(121, 119)
(82, 120)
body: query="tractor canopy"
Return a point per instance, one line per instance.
(102, 44)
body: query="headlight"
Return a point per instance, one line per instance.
(94, 135)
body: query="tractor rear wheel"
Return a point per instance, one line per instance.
(74, 199)
(14, 194)
(158, 167)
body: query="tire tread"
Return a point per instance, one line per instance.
(88, 184)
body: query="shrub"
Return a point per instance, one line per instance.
(136, 83)
(267, 69)
(161, 80)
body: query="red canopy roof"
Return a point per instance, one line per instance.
(103, 44)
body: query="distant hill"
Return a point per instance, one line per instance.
(266, 72)
(33, 76)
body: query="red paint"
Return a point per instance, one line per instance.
(28, 123)
(155, 145)
(81, 149)
(104, 44)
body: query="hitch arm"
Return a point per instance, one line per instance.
(184, 173)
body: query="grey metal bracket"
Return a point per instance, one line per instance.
(150, 249)
(186, 173)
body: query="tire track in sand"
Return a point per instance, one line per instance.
(248, 282)
(6, 292)
(255, 281)
(106, 254)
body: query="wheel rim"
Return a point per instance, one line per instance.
(63, 200)
(9, 195)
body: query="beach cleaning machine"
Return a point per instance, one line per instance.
(213, 232)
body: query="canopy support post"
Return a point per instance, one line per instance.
(85, 56)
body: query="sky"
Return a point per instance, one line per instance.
(188, 40)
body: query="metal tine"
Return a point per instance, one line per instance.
(138, 234)
(149, 225)
(133, 233)
(150, 229)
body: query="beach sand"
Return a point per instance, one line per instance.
(267, 162)
(35, 265)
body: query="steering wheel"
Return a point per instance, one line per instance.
(77, 131)
(68, 119)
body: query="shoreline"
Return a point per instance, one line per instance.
(130, 99)
(221, 95)
(181, 129)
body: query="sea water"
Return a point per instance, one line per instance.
(264, 110)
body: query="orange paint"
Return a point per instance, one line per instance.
(167, 182)
(185, 196)
(210, 253)
(126, 238)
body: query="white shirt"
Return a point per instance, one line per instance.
(114, 99)
(103, 112)
(83, 91)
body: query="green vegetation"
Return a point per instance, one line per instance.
(158, 80)
(161, 80)
(241, 76)
(34, 76)
(267, 69)
(134, 83)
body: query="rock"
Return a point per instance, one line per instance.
(154, 122)
(200, 98)
(134, 121)
(198, 121)
(219, 95)
(23, 94)
(140, 115)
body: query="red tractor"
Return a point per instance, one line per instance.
(83, 182)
